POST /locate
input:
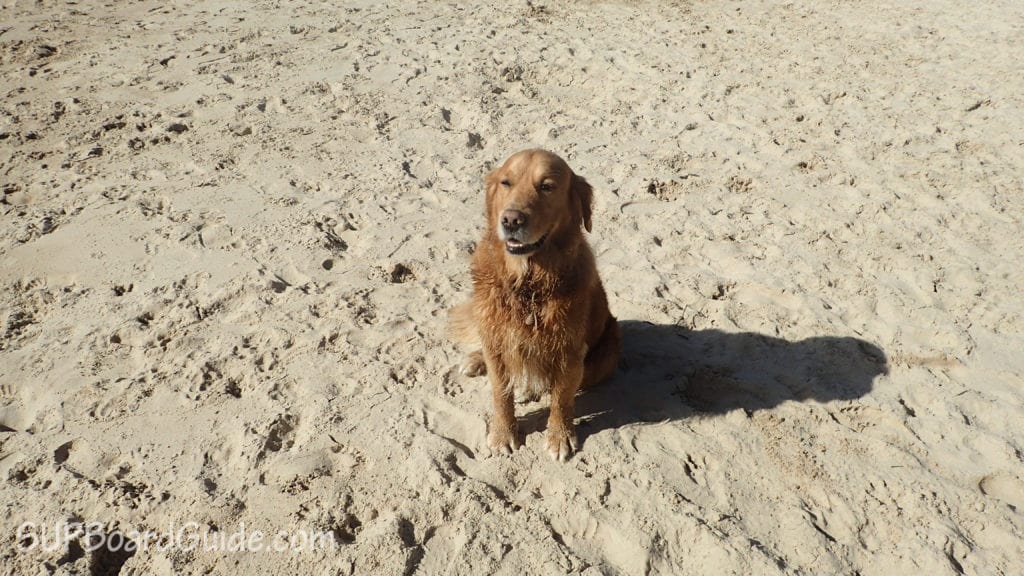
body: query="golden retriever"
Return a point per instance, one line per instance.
(538, 318)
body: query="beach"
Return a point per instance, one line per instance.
(232, 233)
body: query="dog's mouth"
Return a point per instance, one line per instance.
(517, 248)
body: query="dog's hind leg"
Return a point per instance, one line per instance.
(462, 327)
(474, 364)
(603, 358)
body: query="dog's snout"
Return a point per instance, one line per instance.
(513, 220)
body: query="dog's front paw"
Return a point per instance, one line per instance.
(561, 441)
(502, 439)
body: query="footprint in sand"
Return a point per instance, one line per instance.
(287, 278)
(280, 435)
(1004, 486)
(294, 473)
(460, 428)
(221, 461)
(217, 235)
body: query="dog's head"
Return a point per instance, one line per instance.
(534, 198)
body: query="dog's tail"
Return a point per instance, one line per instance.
(603, 358)
(462, 325)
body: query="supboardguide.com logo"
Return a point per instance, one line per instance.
(188, 536)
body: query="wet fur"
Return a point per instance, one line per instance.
(541, 321)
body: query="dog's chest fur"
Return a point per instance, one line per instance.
(535, 306)
(530, 316)
(529, 328)
(530, 339)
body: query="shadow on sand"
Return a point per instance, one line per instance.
(669, 372)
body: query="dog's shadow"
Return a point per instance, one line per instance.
(668, 372)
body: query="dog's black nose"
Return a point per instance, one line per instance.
(512, 220)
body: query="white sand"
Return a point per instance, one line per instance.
(207, 208)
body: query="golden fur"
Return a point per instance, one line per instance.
(538, 315)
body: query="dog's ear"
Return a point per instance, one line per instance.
(583, 195)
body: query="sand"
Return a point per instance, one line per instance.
(231, 232)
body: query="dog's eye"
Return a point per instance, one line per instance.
(546, 187)
(506, 183)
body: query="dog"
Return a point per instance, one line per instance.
(538, 320)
